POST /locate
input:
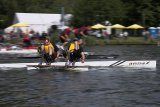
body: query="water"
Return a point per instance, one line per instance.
(111, 87)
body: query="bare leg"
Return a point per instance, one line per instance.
(41, 59)
(82, 57)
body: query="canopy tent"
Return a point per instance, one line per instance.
(118, 29)
(17, 27)
(98, 26)
(40, 22)
(135, 26)
(118, 26)
(20, 25)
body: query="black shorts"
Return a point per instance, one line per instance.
(76, 55)
(47, 57)
(72, 57)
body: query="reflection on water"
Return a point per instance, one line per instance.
(110, 87)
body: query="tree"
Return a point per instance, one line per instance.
(87, 12)
(7, 11)
(96, 11)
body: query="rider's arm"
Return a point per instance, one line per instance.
(82, 33)
(51, 49)
(76, 45)
(67, 37)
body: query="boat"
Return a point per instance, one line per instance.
(32, 50)
(87, 64)
(21, 51)
(18, 50)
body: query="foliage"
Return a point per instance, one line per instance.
(87, 12)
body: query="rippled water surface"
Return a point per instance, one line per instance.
(110, 87)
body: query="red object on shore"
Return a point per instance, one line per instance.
(26, 38)
(30, 47)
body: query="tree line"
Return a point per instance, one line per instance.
(87, 12)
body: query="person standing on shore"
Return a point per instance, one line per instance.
(158, 39)
(146, 34)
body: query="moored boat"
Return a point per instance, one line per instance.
(18, 50)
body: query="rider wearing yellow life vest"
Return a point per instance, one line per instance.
(75, 51)
(48, 48)
(73, 46)
(48, 52)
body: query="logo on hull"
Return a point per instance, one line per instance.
(139, 63)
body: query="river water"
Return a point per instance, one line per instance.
(110, 87)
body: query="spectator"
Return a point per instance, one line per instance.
(125, 34)
(105, 34)
(1, 38)
(158, 39)
(146, 34)
(26, 40)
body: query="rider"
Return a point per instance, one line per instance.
(81, 32)
(64, 36)
(75, 52)
(48, 52)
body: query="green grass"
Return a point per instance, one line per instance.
(119, 41)
(92, 41)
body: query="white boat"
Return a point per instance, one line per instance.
(87, 64)
(15, 52)
(18, 51)
(23, 51)
(27, 51)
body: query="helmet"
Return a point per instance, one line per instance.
(75, 39)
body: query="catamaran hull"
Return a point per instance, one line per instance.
(88, 64)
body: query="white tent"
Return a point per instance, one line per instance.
(40, 22)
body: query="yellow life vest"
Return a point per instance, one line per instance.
(72, 47)
(46, 49)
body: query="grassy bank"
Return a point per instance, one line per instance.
(119, 41)
(91, 41)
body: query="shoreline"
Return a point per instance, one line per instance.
(93, 41)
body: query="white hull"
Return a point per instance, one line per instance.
(29, 51)
(94, 64)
